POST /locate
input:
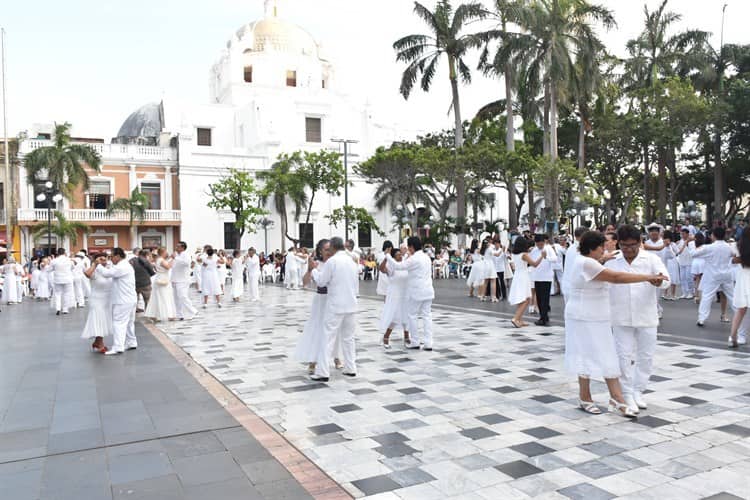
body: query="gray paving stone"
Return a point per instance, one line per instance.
(158, 488)
(189, 445)
(208, 468)
(231, 489)
(265, 471)
(376, 484)
(75, 441)
(411, 477)
(585, 491)
(138, 466)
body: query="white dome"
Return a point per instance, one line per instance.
(275, 35)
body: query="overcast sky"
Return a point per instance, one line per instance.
(92, 62)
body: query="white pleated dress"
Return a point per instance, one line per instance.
(742, 288)
(476, 275)
(161, 307)
(10, 284)
(395, 314)
(238, 273)
(43, 289)
(210, 276)
(520, 287)
(590, 349)
(313, 343)
(99, 318)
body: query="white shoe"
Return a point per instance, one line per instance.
(688, 297)
(113, 353)
(700, 323)
(639, 401)
(632, 405)
(725, 319)
(219, 304)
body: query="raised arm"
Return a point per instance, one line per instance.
(623, 278)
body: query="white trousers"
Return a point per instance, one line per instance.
(421, 308)
(635, 349)
(64, 296)
(123, 327)
(183, 306)
(252, 281)
(709, 286)
(79, 291)
(687, 286)
(339, 328)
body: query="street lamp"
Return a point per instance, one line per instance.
(346, 143)
(49, 198)
(266, 224)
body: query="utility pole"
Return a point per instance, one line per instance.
(6, 184)
(346, 143)
(719, 181)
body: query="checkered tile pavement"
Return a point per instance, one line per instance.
(488, 414)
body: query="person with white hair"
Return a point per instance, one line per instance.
(62, 267)
(78, 277)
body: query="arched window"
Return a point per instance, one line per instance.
(248, 73)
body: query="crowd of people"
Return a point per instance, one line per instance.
(613, 282)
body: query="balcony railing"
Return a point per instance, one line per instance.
(113, 151)
(93, 215)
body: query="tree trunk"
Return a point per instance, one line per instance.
(646, 186)
(582, 145)
(307, 217)
(545, 124)
(459, 142)
(552, 195)
(510, 133)
(530, 192)
(719, 200)
(512, 212)
(661, 200)
(672, 165)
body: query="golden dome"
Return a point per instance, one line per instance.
(275, 35)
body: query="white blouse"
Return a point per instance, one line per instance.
(588, 299)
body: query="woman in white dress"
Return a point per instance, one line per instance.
(10, 281)
(252, 266)
(741, 285)
(669, 256)
(476, 275)
(99, 318)
(696, 266)
(238, 275)
(222, 270)
(34, 281)
(520, 288)
(43, 284)
(382, 288)
(161, 306)
(312, 345)
(395, 312)
(589, 344)
(489, 286)
(210, 285)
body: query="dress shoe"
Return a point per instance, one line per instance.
(632, 405)
(425, 348)
(411, 345)
(317, 378)
(131, 347)
(349, 374)
(112, 353)
(540, 322)
(639, 401)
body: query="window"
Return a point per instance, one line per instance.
(323, 84)
(291, 78)
(306, 235)
(204, 137)
(99, 197)
(231, 236)
(249, 74)
(364, 236)
(313, 131)
(152, 190)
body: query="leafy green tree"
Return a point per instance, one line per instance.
(356, 217)
(135, 207)
(64, 163)
(282, 183)
(320, 171)
(62, 228)
(237, 193)
(422, 54)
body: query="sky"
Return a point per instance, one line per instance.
(93, 62)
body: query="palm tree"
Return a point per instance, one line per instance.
(135, 206)
(62, 163)
(422, 54)
(553, 32)
(62, 228)
(282, 183)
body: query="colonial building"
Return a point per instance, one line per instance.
(124, 167)
(12, 194)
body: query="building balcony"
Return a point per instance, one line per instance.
(124, 152)
(95, 217)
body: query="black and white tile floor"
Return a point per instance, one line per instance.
(488, 414)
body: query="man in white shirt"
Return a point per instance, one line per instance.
(78, 277)
(717, 273)
(655, 245)
(252, 268)
(634, 315)
(62, 267)
(499, 259)
(557, 267)
(341, 277)
(685, 249)
(419, 290)
(181, 282)
(543, 275)
(124, 300)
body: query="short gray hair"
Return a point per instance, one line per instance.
(337, 243)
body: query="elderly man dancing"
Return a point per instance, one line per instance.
(123, 300)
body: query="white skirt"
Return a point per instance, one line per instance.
(520, 288)
(476, 275)
(99, 318)
(210, 283)
(312, 345)
(673, 268)
(382, 288)
(696, 267)
(395, 312)
(590, 349)
(161, 305)
(742, 288)
(238, 287)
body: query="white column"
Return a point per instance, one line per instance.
(132, 180)
(167, 202)
(170, 239)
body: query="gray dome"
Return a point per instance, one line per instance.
(143, 126)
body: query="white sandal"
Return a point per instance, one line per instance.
(621, 408)
(589, 407)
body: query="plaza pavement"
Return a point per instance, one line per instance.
(488, 414)
(76, 425)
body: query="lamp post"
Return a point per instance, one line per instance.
(49, 198)
(346, 143)
(400, 217)
(266, 224)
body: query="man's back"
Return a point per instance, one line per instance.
(341, 276)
